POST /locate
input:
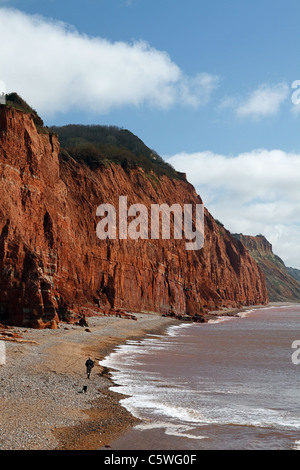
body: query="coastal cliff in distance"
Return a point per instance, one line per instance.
(281, 285)
(295, 273)
(54, 268)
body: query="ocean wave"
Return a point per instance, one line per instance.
(189, 389)
(171, 429)
(220, 319)
(176, 330)
(149, 407)
(296, 445)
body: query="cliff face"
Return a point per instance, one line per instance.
(281, 285)
(295, 273)
(52, 265)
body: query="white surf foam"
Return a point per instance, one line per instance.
(220, 319)
(171, 429)
(162, 399)
(296, 445)
(148, 401)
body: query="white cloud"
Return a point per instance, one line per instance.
(196, 91)
(56, 69)
(266, 100)
(253, 192)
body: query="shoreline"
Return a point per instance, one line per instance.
(41, 383)
(43, 406)
(236, 311)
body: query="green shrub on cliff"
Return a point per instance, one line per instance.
(93, 144)
(15, 101)
(97, 145)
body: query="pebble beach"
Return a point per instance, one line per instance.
(43, 406)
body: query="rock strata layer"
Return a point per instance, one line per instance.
(282, 286)
(53, 267)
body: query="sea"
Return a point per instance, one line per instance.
(229, 384)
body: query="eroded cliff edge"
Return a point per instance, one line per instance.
(281, 285)
(52, 265)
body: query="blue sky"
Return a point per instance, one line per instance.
(245, 44)
(206, 83)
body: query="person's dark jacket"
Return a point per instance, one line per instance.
(89, 363)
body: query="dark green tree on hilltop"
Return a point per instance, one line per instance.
(97, 145)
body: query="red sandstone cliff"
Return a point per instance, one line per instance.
(52, 265)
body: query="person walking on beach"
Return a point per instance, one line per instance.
(89, 365)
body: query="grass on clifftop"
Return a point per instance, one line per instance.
(15, 101)
(99, 145)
